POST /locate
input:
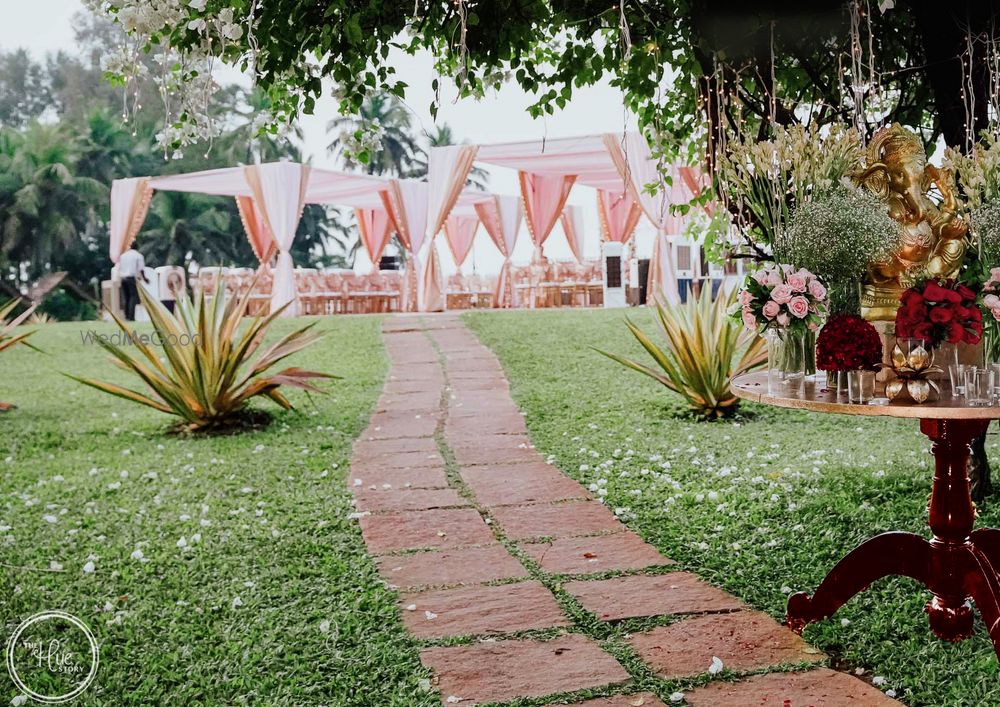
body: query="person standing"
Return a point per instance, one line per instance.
(130, 268)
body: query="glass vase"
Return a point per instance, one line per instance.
(836, 382)
(787, 361)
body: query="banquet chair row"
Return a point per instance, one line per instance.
(338, 292)
(555, 284)
(470, 291)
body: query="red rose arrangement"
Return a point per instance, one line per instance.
(937, 311)
(848, 343)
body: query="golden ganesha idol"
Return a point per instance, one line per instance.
(933, 234)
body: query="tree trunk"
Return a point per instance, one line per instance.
(945, 33)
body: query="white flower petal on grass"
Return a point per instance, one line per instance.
(716, 667)
(890, 693)
(182, 543)
(50, 519)
(55, 566)
(879, 681)
(88, 568)
(676, 697)
(237, 602)
(845, 622)
(19, 700)
(324, 626)
(137, 555)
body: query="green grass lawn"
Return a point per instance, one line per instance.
(760, 505)
(225, 569)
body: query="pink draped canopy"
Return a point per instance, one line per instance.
(460, 231)
(501, 217)
(572, 223)
(614, 164)
(270, 198)
(375, 227)
(619, 215)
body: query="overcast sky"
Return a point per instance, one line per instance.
(46, 25)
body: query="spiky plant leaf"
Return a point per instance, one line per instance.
(8, 338)
(704, 349)
(202, 368)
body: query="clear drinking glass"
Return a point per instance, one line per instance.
(995, 367)
(956, 372)
(860, 386)
(978, 386)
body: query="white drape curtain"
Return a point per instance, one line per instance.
(572, 224)
(406, 200)
(501, 217)
(375, 230)
(129, 203)
(279, 191)
(632, 156)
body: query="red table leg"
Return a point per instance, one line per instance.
(956, 564)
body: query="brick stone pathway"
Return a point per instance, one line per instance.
(487, 542)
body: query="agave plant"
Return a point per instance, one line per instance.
(9, 337)
(705, 349)
(202, 370)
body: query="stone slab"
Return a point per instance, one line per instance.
(820, 687)
(744, 640)
(424, 477)
(650, 595)
(404, 499)
(643, 699)
(411, 530)
(502, 671)
(555, 520)
(598, 553)
(517, 484)
(472, 565)
(481, 610)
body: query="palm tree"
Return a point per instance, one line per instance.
(183, 227)
(241, 143)
(45, 207)
(399, 147)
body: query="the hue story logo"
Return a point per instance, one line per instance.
(52, 657)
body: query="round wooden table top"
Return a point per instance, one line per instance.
(816, 397)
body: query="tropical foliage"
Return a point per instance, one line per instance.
(379, 138)
(63, 141)
(206, 373)
(705, 348)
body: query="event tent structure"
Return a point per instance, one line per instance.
(271, 197)
(619, 166)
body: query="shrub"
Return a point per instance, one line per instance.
(206, 376)
(705, 349)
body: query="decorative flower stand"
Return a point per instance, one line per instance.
(957, 564)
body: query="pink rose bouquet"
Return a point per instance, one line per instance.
(990, 306)
(780, 297)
